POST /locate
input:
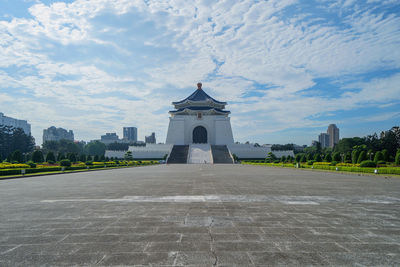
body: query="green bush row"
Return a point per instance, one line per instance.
(381, 170)
(16, 171)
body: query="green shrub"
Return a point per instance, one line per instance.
(317, 157)
(382, 162)
(328, 157)
(311, 162)
(354, 156)
(65, 163)
(336, 156)
(362, 157)
(17, 156)
(378, 156)
(89, 163)
(50, 157)
(37, 156)
(397, 159)
(51, 162)
(368, 163)
(31, 164)
(333, 163)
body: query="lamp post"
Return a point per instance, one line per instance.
(370, 153)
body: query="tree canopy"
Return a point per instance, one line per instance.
(12, 139)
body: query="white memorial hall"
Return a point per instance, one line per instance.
(199, 131)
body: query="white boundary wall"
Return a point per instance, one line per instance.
(150, 151)
(249, 151)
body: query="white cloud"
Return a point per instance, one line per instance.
(236, 48)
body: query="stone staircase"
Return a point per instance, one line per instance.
(221, 154)
(200, 154)
(179, 154)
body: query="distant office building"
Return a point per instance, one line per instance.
(314, 143)
(57, 134)
(130, 134)
(151, 139)
(333, 133)
(8, 121)
(109, 138)
(323, 139)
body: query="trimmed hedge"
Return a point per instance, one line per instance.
(381, 170)
(17, 171)
(368, 163)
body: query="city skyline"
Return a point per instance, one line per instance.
(287, 69)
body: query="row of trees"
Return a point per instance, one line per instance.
(38, 157)
(355, 157)
(370, 146)
(64, 147)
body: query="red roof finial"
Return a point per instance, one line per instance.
(199, 86)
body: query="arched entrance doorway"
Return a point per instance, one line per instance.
(199, 135)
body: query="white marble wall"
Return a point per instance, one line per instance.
(180, 130)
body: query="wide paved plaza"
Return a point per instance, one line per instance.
(200, 215)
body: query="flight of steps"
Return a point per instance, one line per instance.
(179, 154)
(221, 154)
(200, 153)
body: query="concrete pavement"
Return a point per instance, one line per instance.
(206, 215)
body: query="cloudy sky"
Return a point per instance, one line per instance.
(287, 68)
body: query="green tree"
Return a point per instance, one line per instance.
(309, 156)
(347, 157)
(72, 157)
(303, 158)
(96, 158)
(102, 158)
(89, 158)
(82, 158)
(60, 156)
(95, 148)
(397, 158)
(12, 139)
(346, 144)
(385, 155)
(50, 157)
(328, 157)
(378, 156)
(317, 158)
(118, 146)
(128, 155)
(298, 157)
(370, 154)
(17, 156)
(37, 156)
(283, 159)
(362, 156)
(336, 157)
(354, 156)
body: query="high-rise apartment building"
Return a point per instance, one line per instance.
(8, 121)
(151, 139)
(333, 132)
(109, 138)
(56, 134)
(130, 134)
(323, 139)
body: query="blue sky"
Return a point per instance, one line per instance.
(287, 68)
